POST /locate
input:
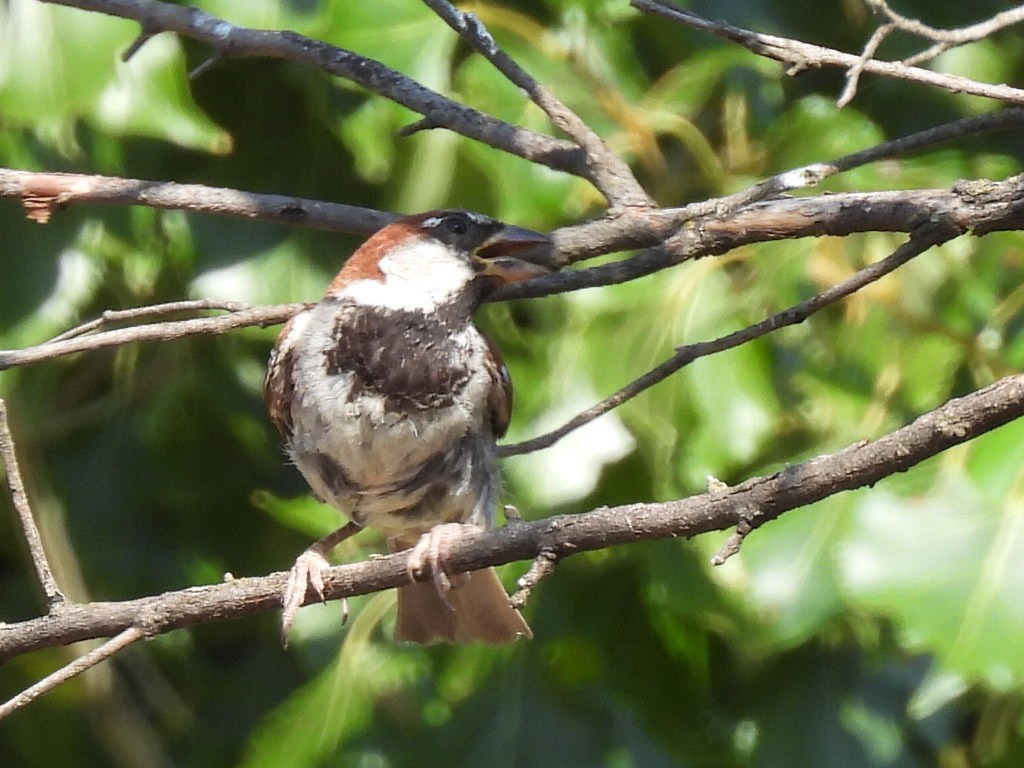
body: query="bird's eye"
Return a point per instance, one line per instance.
(456, 225)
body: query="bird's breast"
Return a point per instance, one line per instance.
(412, 361)
(389, 413)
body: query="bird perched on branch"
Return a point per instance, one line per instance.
(390, 402)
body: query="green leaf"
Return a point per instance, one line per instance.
(150, 96)
(304, 513)
(815, 130)
(60, 64)
(944, 565)
(336, 703)
(786, 571)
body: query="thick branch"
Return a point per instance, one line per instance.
(755, 501)
(980, 207)
(228, 39)
(44, 193)
(932, 234)
(636, 229)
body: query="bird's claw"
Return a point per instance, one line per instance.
(430, 555)
(308, 572)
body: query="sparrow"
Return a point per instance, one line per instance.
(390, 402)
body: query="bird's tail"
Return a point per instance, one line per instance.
(475, 610)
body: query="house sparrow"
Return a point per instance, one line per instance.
(390, 401)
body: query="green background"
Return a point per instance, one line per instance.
(883, 627)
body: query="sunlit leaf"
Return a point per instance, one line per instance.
(787, 571)
(943, 565)
(58, 65)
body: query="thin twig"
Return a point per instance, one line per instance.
(814, 174)
(1006, 119)
(136, 45)
(605, 169)
(112, 316)
(853, 74)
(800, 55)
(945, 38)
(928, 236)
(758, 500)
(54, 597)
(175, 329)
(76, 667)
(543, 565)
(733, 544)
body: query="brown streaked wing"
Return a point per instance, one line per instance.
(499, 400)
(279, 384)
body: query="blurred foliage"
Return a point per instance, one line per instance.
(878, 628)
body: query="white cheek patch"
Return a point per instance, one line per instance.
(422, 275)
(373, 293)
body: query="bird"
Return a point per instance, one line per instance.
(390, 402)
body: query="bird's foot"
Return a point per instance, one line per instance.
(308, 572)
(430, 555)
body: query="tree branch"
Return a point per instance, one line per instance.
(609, 174)
(230, 40)
(979, 207)
(113, 316)
(756, 501)
(945, 38)
(933, 233)
(976, 206)
(800, 55)
(175, 329)
(76, 667)
(44, 193)
(635, 229)
(44, 574)
(866, 55)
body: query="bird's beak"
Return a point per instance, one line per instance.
(513, 254)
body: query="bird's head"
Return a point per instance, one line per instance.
(426, 260)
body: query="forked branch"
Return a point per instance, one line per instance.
(231, 40)
(932, 234)
(756, 501)
(800, 56)
(757, 214)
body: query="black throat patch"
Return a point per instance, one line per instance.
(405, 357)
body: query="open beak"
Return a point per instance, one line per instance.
(513, 254)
